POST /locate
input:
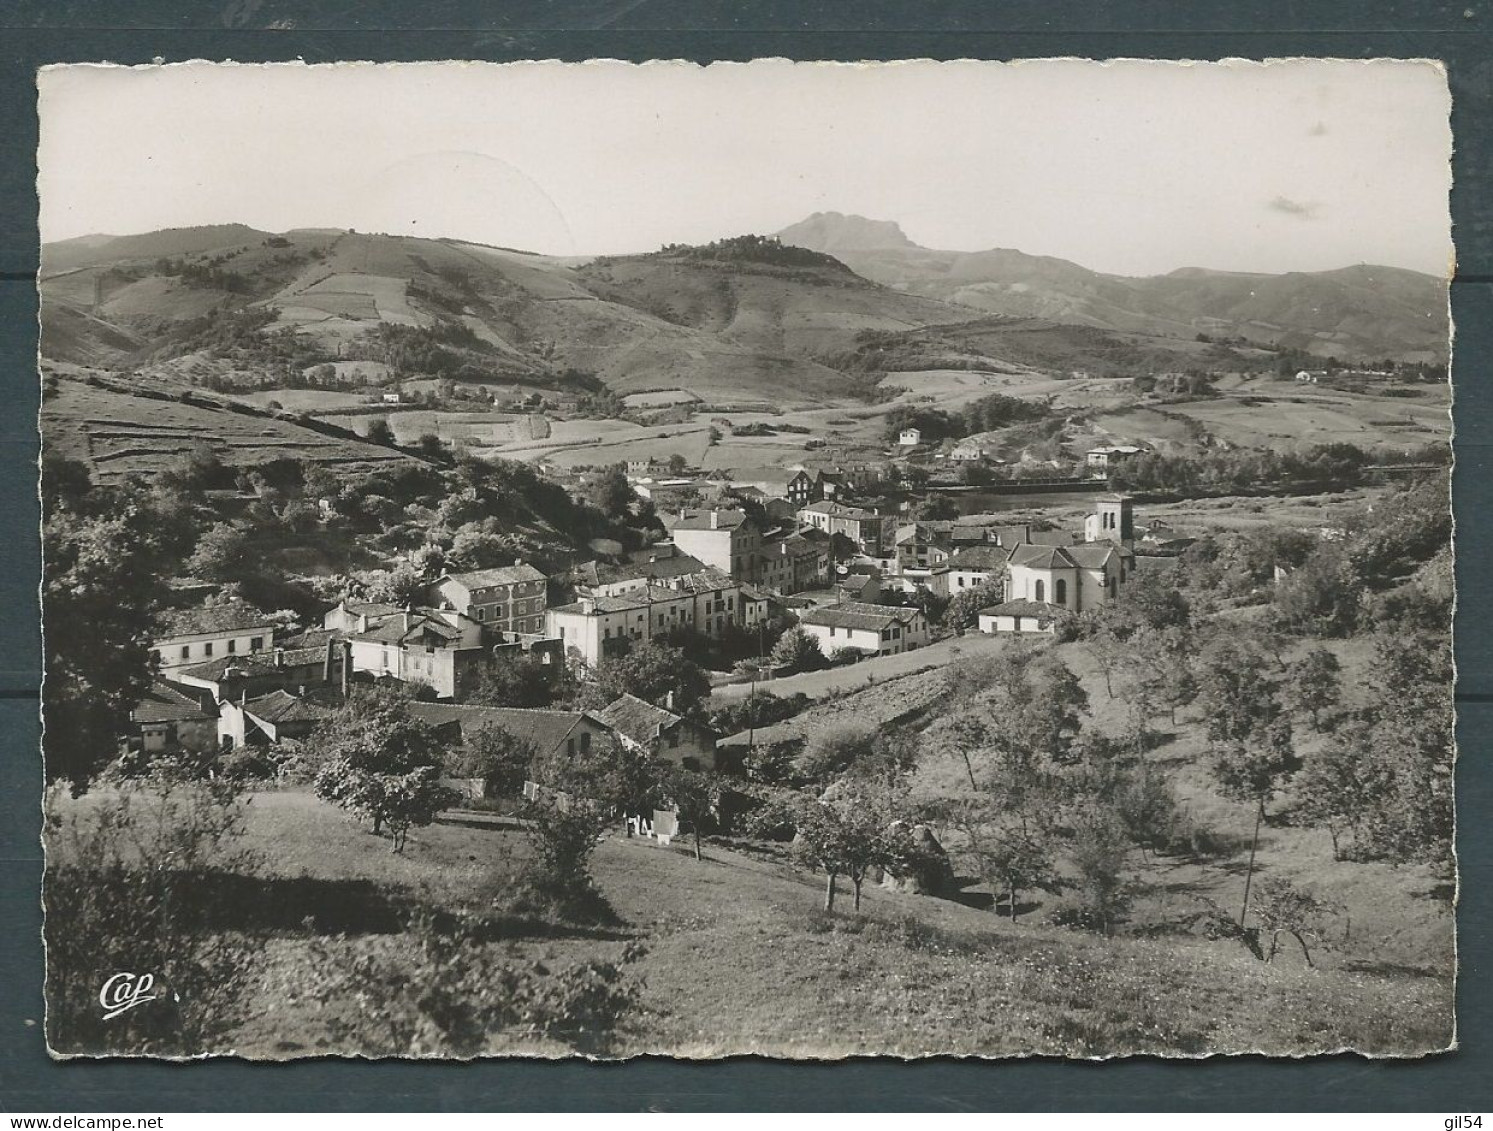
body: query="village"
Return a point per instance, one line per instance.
(763, 549)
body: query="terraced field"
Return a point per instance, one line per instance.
(118, 433)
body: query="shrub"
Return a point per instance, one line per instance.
(133, 873)
(437, 990)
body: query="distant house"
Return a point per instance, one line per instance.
(921, 546)
(190, 636)
(1106, 459)
(357, 616)
(796, 484)
(287, 669)
(722, 537)
(865, 528)
(660, 733)
(390, 398)
(877, 630)
(794, 562)
(168, 719)
(975, 567)
(910, 437)
(1020, 616)
(506, 599)
(552, 734)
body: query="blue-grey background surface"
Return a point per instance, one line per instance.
(36, 32)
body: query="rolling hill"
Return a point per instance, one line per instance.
(727, 327)
(1357, 313)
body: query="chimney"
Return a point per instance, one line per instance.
(715, 519)
(588, 606)
(279, 657)
(669, 701)
(518, 562)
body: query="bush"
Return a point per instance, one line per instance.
(438, 990)
(133, 873)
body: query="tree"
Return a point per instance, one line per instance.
(379, 432)
(797, 651)
(656, 672)
(1098, 854)
(1312, 684)
(101, 585)
(225, 553)
(963, 610)
(1235, 691)
(1284, 909)
(1253, 768)
(511, 681)
(834, 750)
(677, 464)
(499, 758)
(383, 764)
(693, 795)
(847, 833)
(611, 493)
(429, 445)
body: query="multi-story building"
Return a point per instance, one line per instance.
(865, 528)
(794, 562)
(1072, 578)
(507, 599)
(708, 602)
(723, 538)
(974, 568)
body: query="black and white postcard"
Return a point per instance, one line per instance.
(799, 559)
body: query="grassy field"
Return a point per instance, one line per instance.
(739, 959)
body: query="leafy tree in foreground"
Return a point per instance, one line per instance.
(500, 758)
(694, 796)
(383, 764)
(847, 834)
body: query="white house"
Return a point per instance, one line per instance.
(1019, 617)
(910, 437)
(877, 630)
(193, 636)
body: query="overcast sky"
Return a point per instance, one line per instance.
(1133, 168)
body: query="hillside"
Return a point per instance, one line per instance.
(1357, 313)
(725, 329)
(913, 976)
(119, 428)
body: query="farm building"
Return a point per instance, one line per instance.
(168, 719)
(268, 719)
(659, 733)
(1020, 616)
(1107, 458)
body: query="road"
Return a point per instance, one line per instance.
(854, 677)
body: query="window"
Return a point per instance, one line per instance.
(207, 649)
(585, 741)
(232, 646)
(256, 643)
(1060, 591)
(570, 746)
(673, 738)
(1040, 590)
(186, 651)
(481, 614)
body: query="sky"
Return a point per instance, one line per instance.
(1132, 168)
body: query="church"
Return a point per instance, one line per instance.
(1044, 582)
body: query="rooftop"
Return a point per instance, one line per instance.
(636, 719)
(283, 707)
(233, 616)
(487, 578)
(857, 615)
(543, 729)
(1023, 608)
(164, 704)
